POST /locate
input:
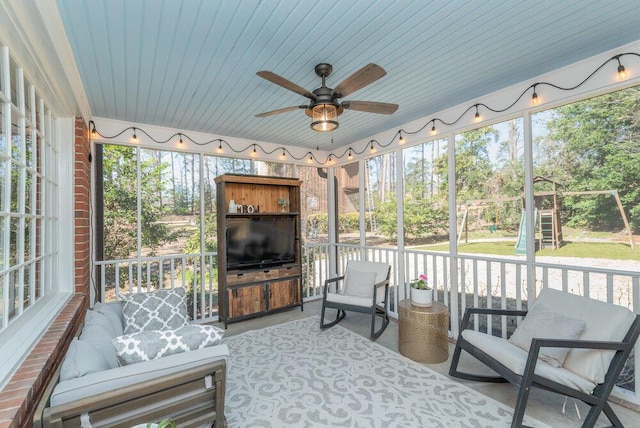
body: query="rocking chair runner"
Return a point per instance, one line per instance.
(363, 288)
(587, 372)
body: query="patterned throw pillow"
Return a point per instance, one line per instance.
(156, 310)
(151, 345)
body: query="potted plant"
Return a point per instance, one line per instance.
(421, 293)
(283, 204)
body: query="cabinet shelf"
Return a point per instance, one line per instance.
(261, 214)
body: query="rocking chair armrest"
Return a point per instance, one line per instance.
(582, 344)
(330, 280)
(487, 311)
(381, 283)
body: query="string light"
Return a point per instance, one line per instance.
(284, 155)
(332, 157)
(622, 73)
(534, 97)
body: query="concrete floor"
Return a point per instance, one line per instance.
(543, 405)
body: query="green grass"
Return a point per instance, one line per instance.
(594, 250)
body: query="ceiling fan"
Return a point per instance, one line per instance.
(325, 105)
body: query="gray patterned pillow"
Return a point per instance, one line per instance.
(156, 310)
(151, 345)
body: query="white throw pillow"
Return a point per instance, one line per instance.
(156, 310)
(151, 345)
(359, 284)
(542, 323)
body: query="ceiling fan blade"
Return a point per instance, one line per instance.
(370, 106)
(280, 110)
(358, 80)
(287, 84)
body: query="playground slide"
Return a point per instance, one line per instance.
(521, 245)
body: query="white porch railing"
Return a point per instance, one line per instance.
(483, 281)
(196, 273)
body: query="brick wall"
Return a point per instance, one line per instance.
(19, 398)
(82, 188)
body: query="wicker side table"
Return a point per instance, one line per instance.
(423, 332)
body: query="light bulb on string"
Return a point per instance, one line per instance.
(254, 153)
(622, 72)
(220, 147)
(180, 135)
(401, 139)
(477, 115)
(135, 137)
(433, 128)
(372, 148)
(350, 155)
(534, 97)
(284, 155)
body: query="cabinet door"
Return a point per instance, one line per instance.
(246, 300)
(284, 293)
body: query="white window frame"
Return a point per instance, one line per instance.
(54, 212)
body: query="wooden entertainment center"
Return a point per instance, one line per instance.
(248, 285)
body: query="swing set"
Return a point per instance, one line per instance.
(548, 219)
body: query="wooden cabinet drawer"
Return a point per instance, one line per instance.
(247, 277)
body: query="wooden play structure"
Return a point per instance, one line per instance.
(548, 209)
(547, 214)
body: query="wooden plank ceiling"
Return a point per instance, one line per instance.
(191, 64)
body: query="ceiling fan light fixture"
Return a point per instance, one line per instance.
(324, 117)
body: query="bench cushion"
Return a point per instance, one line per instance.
(122, 377)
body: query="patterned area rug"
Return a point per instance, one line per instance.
(295, 375)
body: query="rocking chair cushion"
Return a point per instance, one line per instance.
(542, 323)
(359, 284)
(515, 359)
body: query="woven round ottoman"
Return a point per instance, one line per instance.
(423, 332)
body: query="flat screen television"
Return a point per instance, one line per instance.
(260, 241)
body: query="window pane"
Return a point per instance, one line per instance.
(120, 202)
(3, 139)
(426, 218)
(489, 188)
(313, 195)
(348, 205)
(273, 168)
(14, 290)
(14, 244)
(26, 289)
(381, 215)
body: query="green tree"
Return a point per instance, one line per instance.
(597, 144)
(473, 166)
